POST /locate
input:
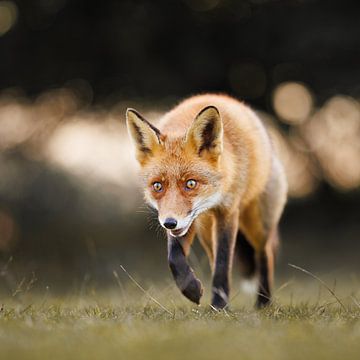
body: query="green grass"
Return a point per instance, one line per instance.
(305, 322)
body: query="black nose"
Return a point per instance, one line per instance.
(170, 223)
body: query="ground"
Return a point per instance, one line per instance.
(306, 321)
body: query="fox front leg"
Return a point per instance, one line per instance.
(183, 275)
(226, 229)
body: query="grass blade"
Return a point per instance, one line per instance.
(144, 291)
(321, 281)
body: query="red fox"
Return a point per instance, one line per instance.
(210, 170)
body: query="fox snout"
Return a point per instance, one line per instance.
(176, 226)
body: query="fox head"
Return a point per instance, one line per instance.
(181, 174)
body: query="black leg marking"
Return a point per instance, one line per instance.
(246, 256)
(220, 285)
(264, 293)
(183, 275)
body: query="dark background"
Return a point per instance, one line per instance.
(157, 49)
(153, 53)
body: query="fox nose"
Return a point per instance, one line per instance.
(170, 223)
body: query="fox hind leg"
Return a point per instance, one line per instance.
(259, 222)
(245, 255)
(265, 264)
(258, 255)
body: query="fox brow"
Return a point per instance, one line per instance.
(198, 172)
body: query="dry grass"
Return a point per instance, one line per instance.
(305, 322)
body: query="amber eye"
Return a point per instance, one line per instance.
(190, 184)
(157, 186)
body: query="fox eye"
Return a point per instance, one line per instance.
(190, 184)
(157, 186)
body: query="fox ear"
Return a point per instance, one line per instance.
(206, 133)
(145, 136)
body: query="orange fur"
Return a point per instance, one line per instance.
(226, 149)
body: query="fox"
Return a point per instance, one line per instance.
(210, 171)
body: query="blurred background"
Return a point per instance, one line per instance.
(71, 208)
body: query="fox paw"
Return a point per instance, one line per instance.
(262, 301)
(219, 299)
(193, 291)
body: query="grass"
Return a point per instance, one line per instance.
(305, 322)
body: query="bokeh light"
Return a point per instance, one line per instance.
(292, 102)
(98, 150)
(60, 129)
(8, 16)
(333, 134)
(16, 125)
